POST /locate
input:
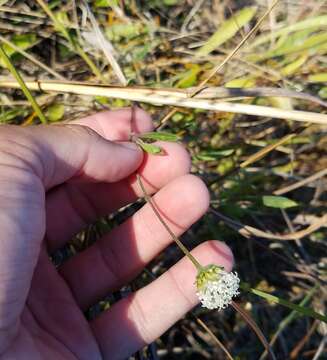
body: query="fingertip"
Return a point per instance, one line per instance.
(143, 121)
(157, 171)
(221, 253)
(128, 157)
(196, 192)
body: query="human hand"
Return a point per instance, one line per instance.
(54, 181)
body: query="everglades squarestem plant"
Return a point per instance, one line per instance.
(215, 286)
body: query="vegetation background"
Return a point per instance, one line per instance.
(267, 176)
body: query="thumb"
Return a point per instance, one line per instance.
(32, 160)
(62, 152)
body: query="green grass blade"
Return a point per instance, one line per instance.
(313, 24)
(289, 318)
(227, 30)
(277, 300)
(24, 88)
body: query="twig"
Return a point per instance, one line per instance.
(248, 319)
(214, 337)
(301, 183)
(248, 231)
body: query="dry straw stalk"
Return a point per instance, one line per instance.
(172, 97)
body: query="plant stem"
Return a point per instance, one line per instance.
(23, 86)
(78, 49)
(174, 237)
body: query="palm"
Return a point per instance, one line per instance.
(54, 182)
(52, 326)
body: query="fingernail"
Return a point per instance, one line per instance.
(223, 249)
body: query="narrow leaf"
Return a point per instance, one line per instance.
(315, 23)
(149, 148)
(279, 202)
(227, 30)
(277, 300)
(164, 136)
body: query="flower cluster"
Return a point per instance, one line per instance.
(216, 287)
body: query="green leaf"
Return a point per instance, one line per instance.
(171, 2)
(316, 78)
(295, 43)
(149, 148)
(315, 23)
(118, 32)
(295, 65)
(189, 78)
(279, 202)
(213, 155)
(24, 41)
(277, 300)
(55, 112)
(227, 30)
(8, 115)
(164, 136)
(105, 3)
(323, 92)
(242, 82)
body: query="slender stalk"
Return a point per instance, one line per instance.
(174, 237)
(22, 85)
(214, 337)
(248, 319)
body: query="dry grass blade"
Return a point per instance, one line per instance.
(106, 47)
(32, 58)
(255, 328)
(301, 183)
(260, 154)
(168, 97)
(248, 231)
(245, 39)
(296, 351)
(214, 338)
(224, 92)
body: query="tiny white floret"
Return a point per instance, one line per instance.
(216, 287)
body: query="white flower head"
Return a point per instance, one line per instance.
(216, 287)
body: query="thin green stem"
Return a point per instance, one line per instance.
(174, 237)
(78, 49)
(22, 84)
(90, 63)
